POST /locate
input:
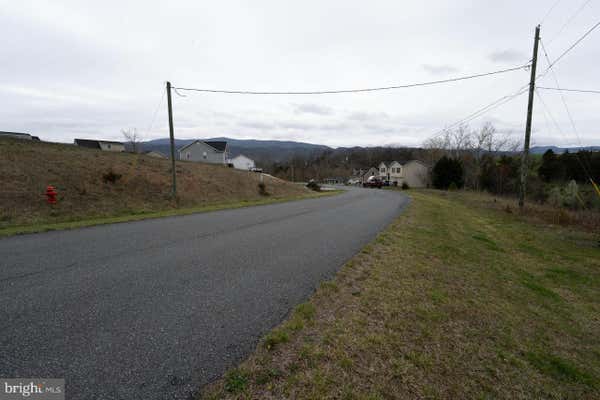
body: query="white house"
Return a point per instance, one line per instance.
(208, 152)
(391, 172)
(242, 162)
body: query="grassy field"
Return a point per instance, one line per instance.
(456, 299)
(101, 187)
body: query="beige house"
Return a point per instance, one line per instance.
(414, 173)
(104, 145)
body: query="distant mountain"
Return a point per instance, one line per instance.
(262, 151)
(560, 150)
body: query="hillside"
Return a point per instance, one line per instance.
(96, 184)
(263, 151)
(560, 150)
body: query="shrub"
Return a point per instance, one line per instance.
(262, 189)
(111, 177)
(313, 185)
(405, 186)
(275, 337)
(235, 381)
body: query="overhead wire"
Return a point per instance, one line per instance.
(569, 90)
(484, 110)
(564, 53)
(558, 128)
(162, 97)
(373, 89)
(549, 11)
(562, 97)
(569, 20)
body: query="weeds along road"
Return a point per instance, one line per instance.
(154, 309)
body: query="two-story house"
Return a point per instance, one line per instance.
(391, 171)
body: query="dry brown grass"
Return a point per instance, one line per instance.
(455, 300)
(26, 168)
(586, 219)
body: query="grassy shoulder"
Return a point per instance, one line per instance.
(134, 215)
(454, 300)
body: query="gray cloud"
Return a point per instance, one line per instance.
(439, 69)
(508, 55)
(310, 108)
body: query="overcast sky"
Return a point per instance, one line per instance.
(91, 68)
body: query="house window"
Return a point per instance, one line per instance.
(382, 170)
(204, 155)
(108, 146)
(187, 156)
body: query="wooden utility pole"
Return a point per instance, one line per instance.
(525, 155)
(172, 140)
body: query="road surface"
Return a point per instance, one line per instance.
(155, 309)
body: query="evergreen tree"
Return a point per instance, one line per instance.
(448, 171)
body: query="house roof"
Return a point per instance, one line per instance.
(217, 145)
(93, 142)
(14, 133)
(416, 161)
(220, 145)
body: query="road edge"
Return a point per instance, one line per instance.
(69, 225)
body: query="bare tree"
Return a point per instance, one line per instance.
(133, 138)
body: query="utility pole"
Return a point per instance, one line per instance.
(172, 140)
(525, 155)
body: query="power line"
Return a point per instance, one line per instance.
(564, 53)
(569, 20)
(156, 111)
(562, 97)
(484, 110)
(557, 126)
(569, 90)
(319, 92)
(549, 11)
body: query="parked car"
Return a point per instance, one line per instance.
(373, 182)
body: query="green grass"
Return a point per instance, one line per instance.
(137, 215)
(456, 299)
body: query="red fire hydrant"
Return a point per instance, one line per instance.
(51, 194)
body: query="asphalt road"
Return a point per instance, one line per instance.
(154, 309)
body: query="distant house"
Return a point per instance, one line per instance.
(208, 152)
(337, 180)
(369, 173)
(414, 173)
(391, 171)
(18, 135)
(104, 145)
(153, 153)
(242, 162)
